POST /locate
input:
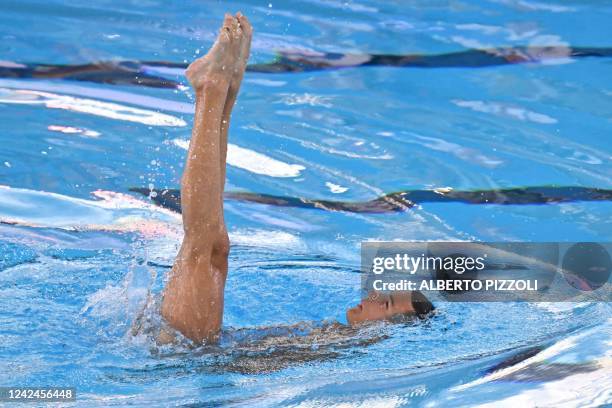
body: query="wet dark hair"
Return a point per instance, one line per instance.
(422, 309)
(421, 305)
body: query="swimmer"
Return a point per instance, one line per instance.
(194, 296)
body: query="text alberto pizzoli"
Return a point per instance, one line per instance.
(411, 264)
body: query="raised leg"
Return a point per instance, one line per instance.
(193, 298)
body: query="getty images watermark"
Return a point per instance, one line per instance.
(490, 271)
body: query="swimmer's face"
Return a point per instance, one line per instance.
(378, 306)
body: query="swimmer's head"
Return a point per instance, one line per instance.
(394, 307)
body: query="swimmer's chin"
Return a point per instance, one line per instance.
(355, 318)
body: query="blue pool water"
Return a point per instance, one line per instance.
(80, 253)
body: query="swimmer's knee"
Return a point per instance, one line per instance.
(221, 246)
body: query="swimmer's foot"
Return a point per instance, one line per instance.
(222, 60)
(245, 49)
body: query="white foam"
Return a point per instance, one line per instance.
(182, 143)
(306, 99)
(514, 112)
(253, 161)
(485, 29)
(11, 64)
(73, 130)
(265, 82)
(390, 401)
(265, 238)
(64, 87)
(461, 152)
(311, 145)
(471, 43)
(537, 6)
(90, 106)
(335, 188)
